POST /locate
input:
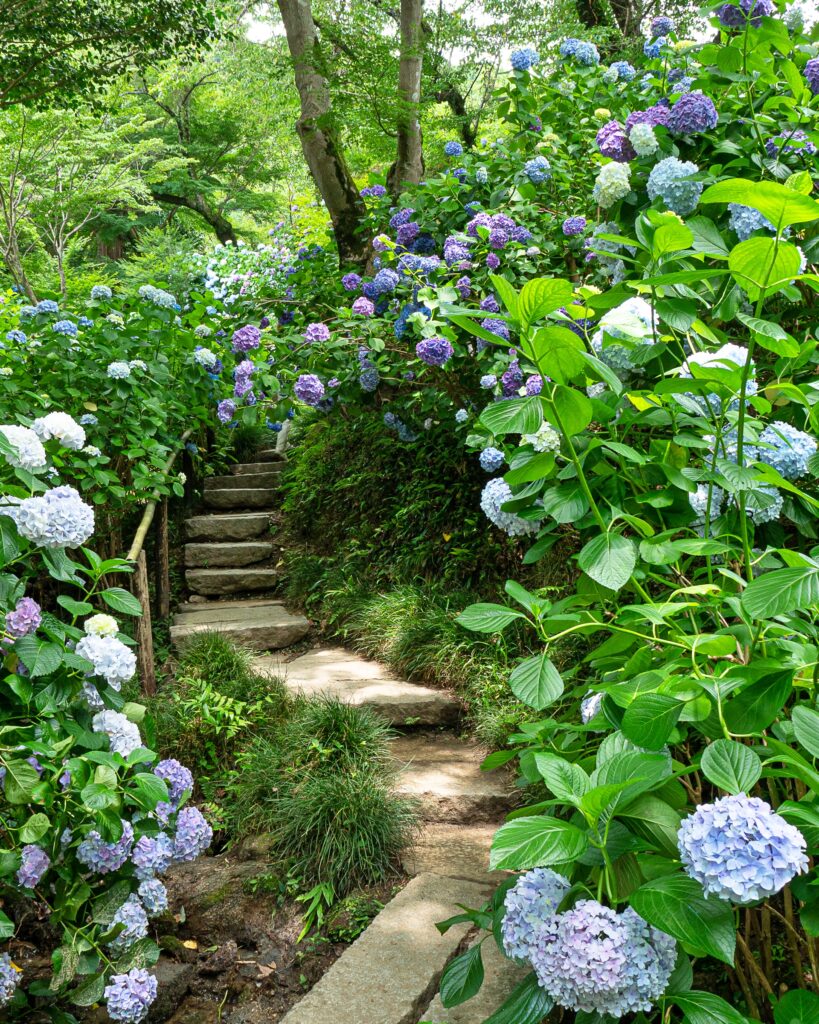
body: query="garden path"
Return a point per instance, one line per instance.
(390, 974)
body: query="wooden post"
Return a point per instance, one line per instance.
(161, 568)
(144, 634)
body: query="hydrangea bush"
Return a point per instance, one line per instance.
(631, 337)
(89, 820)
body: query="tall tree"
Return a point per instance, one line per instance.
(318, 133)
(408, 166)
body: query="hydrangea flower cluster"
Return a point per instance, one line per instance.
(363, 306)
(791, 141)
(692, 114)
(545, 439)
(101, 293)
(573, 226)
(613, 142)
(246, 338)
(123, 735)
(34, 864)
(578, 49)
(135, 925)
(491, 459)
(537, 170)
(129, 996)
(46, 306)
(9, 979)
(435, 351)
(177, 777)
(643, 140)
(61, 426)
(530, 904)
(740, 849)
(812, 75)
(623, 71)
(57, 519)
(745, 220)
(785, 448)
(613, 183)
(154, 897)
(25, 619)
(118, 370)
(734, 15)
(152, 855)
(30, 452)
(453, 148)
(317, 332)
(495, 494)
(104, 857)
(374, 191)
(653, 48)
(226, 410)
(670, 181)
(158, 297)
(662, 25)
(632, 319)
(111, 659)
(65, 327)
(204, 357)
(524, 59)
(308, 389)
(193, 835)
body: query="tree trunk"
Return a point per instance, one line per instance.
(14, 263)
(457, 104)
(221, 225)
(318, 135)
(409, 159)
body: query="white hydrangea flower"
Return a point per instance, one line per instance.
(30, 452)
(545, 439)
(101, 625)
(123, 735)
(643, 139)
(62, 426)
(111, 659)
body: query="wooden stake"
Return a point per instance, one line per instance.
(144, 634)
(161, 568)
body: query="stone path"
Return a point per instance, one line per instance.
(391, 973)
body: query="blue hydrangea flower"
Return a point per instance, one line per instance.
(132, 915)
(692, 114)
(763, 505)
(19, 337)
(435, 351)
(453, 148)
(101, 293)
(154, 897)
(662, 25)
(27, 312)
(573, 226)
(530, 905)
(578, 49)
(734, 15)
(103, 857)
(789, 141)
(537, 170)
(385, 280)
(652, 48)
(525, 58)
(461, 416)
(594, 960)
(623, 71)
(491, 459)
(158, 297)
(110, 658)
(740, 849)
(495, 494)
(34, 864)
(670, 181)
(489, 380)
(9, 979)
(57, 519)
(47, 306)
(65, 327)
(787, 449)
(745, 220)
(152, 855)
(118, 370)
(193, 835)
(129, 996)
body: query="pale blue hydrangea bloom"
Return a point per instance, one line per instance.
(103, 857)
(110, 658)
(123, 735)
(482, 175)
(9, 979)
(489, 380)
(158, 297)
(545, 439)
(129, 996)
(132, 915)
(643, 139)
(491, 459)
(496, 493)
(30, 452)
(46, 306)
(745, 220)
(786, 449)
(205, 357)
(763, 505)
(698, 500)
(461, 416)
(101, 292)
(57, 519)
(530, 905)
(118, 370)
(154, 897)
(177, 777)
(631, 320)
(670, 181)
(537, 170)
(740, 849)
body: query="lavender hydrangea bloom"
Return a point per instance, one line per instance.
(789, 141)
(9, 979)
(152, 855)
(669, 180)
(661, 26)
(489, 380)
(57, 519)
(534, 384)
(525, 58)
(363, 306)
(154, 897)
(178, 778)
(407, 233)
(123, 735)
(654, 116)
(734, 15)
(613, 142)
(193, 835)
(537, 170)
(129, 996)
(512, 379)
(812, 75)
(489, 304)
(491, 459)
(573, 226)
(530, 905)
(317, 332)
(35, 863)
(132, 915)
(785, 448)
(495, 326)
(495, 494)
(110, 658)
(103, 857)
(25, 619)
(691, 114)
(434, 351)
(376, 191)
(246, 338)
(464, 286)
(309, 389)
(226, 410)
(351, 282)
(595, 960)
(740, 849)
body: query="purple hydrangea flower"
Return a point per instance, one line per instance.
(135, 921)
(434, 351)
(534, 899)
(226, 410)
(495, 326)
(375, 191)
(812, 75)
(512, 379)
(653, 116)
(407, 233)
(661, 26)
(489, 380)
(464, 286)
(740, 849)
(534, 384)
(35, 863)
(789, 141)
(363, 306)
(317, 332)
(385, 280)
(691, 114)
(193, 833)
(154, 896)
(25, 619)
(246, 338)
(738, 15)
(453, 148)
(613, 142)
(103, 857)
(492, 260)
(351, 282)
(9, 979)
(574, 226)
(129, 996)
(402, 216)
(490, 304)
(152, 856)
(309, 389)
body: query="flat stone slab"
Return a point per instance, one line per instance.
(232, 554)
(501, 977)
(241, 526)
(237, 497)
(460, 851)
(355, 680)
(443, 774)
(230, 607)
(392, 970)
(216, 582)
(252, 468)
(267, 627)
(270, 455)
(263, 479)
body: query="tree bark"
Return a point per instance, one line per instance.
(408, 166)
(317, 133)
(222, 227)
(457, 104)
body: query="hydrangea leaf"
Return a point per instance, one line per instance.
(797, 1007)
(542, 296)
(559, 349)
(507, 293)
(650, 719)
(536, 682)
(676, 905)
(515, 416)
(89, 992)
(806, 727)
(780, 204)
(707, 1008)
(609, 559)
(574, 411)
(536, 841)
(755, 707)
(730, 765)
(462, 977)
(565, 779)
(528, 1004)
(484, 617)
(781, 591)
(763, 264)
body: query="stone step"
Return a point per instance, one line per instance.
(351, 678)
(231, 607)
(270, 455)
(238, 497)
(265, 627)
(216, 582)
(243, 482)
(242, 526)
(460, 851)
(443, 774)
(231, 553)
(501, 977)
(392, 970)
(253, 468)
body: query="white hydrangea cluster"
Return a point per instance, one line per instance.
(157, 296)
(204, 357)
(101, 625)
(643, 139)
(123, 735)
(57, 519)
(61, 426)
(30, 452)
(613, 183)
(545, 439)
(496, 493)
(111, 659)
(118, 370)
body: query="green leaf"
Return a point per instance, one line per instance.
(41, 657)
(642, 772)
(671, 236)
(75, 607)
(759, 264)
(609, 559)
(21, 778)
(574, 410)
(653, 819)
(143, 953)
(536, 682)
(542, 296)
(148, 790)
(730, 765)
(561, 350)
(507, 293)
(676, 904)
(462, 977)
(565, 503)
(487, 618)
(121, 601)
(707, 1008)
(89, 992)
(782, 590)
(10, 542)
(650, 719)
(514, 416)
(781, 205)
(565, 779)
(6, 927)
(797, 1007)
(35, 828)
(528, 1004)
(755, 707)
(707, 239)
(806, 726)
(534, 467)
(771, 336)
(536, 841)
